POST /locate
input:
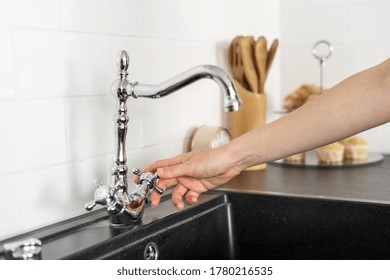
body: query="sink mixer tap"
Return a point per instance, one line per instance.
(118, 202)
(126, 208)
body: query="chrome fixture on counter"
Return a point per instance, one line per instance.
(28, 249)
(126, 208)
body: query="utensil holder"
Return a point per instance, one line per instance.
(251, 115)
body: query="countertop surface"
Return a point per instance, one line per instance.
(369, 183)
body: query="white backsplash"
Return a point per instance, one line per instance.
(57, 63)
(358, 30)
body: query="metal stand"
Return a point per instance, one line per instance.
(322, 57)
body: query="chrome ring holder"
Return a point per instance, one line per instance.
(318, 48)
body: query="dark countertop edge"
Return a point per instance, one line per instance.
(284, 194)
(268, 182)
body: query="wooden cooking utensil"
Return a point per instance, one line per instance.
(246, 53)
(236, 61)
(261, 61)
(271, 55)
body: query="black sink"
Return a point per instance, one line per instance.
(275, 227)
(228, 225)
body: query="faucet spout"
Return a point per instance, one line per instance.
(232, 101)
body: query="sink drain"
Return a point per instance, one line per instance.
(151, 251)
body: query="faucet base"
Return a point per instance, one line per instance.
(123, 221)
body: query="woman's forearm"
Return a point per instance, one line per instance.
(354, 105)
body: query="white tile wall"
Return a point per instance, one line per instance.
(7, 85)
(357, 29)
(51, 64)
(10, 189)
(41, 131)
(50, 194)
(9, 140)
(302, 27)
(102, 16)
(367, 23)
(90, 126)
(57, 64)
(38, 13)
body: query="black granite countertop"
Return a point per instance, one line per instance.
(369, 183)
(306, 228)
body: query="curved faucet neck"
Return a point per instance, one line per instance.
(232, 101)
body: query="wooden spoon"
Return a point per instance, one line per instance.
(235, 60)
(271, 54)
(261, 61)
(246, 53)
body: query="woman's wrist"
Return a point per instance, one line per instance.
(240, 155)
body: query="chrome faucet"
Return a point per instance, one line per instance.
(126, 208)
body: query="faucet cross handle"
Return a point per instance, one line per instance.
(102, 193)
(149, 179)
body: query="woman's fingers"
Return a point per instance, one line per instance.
(192, 184)
(192, 197)
(163, 184)
(177, 196)
(190, 188)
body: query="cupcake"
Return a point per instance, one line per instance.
(297, 158)
(356, 149)
(331, 154)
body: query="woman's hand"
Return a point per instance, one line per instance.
(194, 173)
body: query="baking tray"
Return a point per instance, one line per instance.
(312, 161)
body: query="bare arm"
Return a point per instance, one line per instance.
(354, 105)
